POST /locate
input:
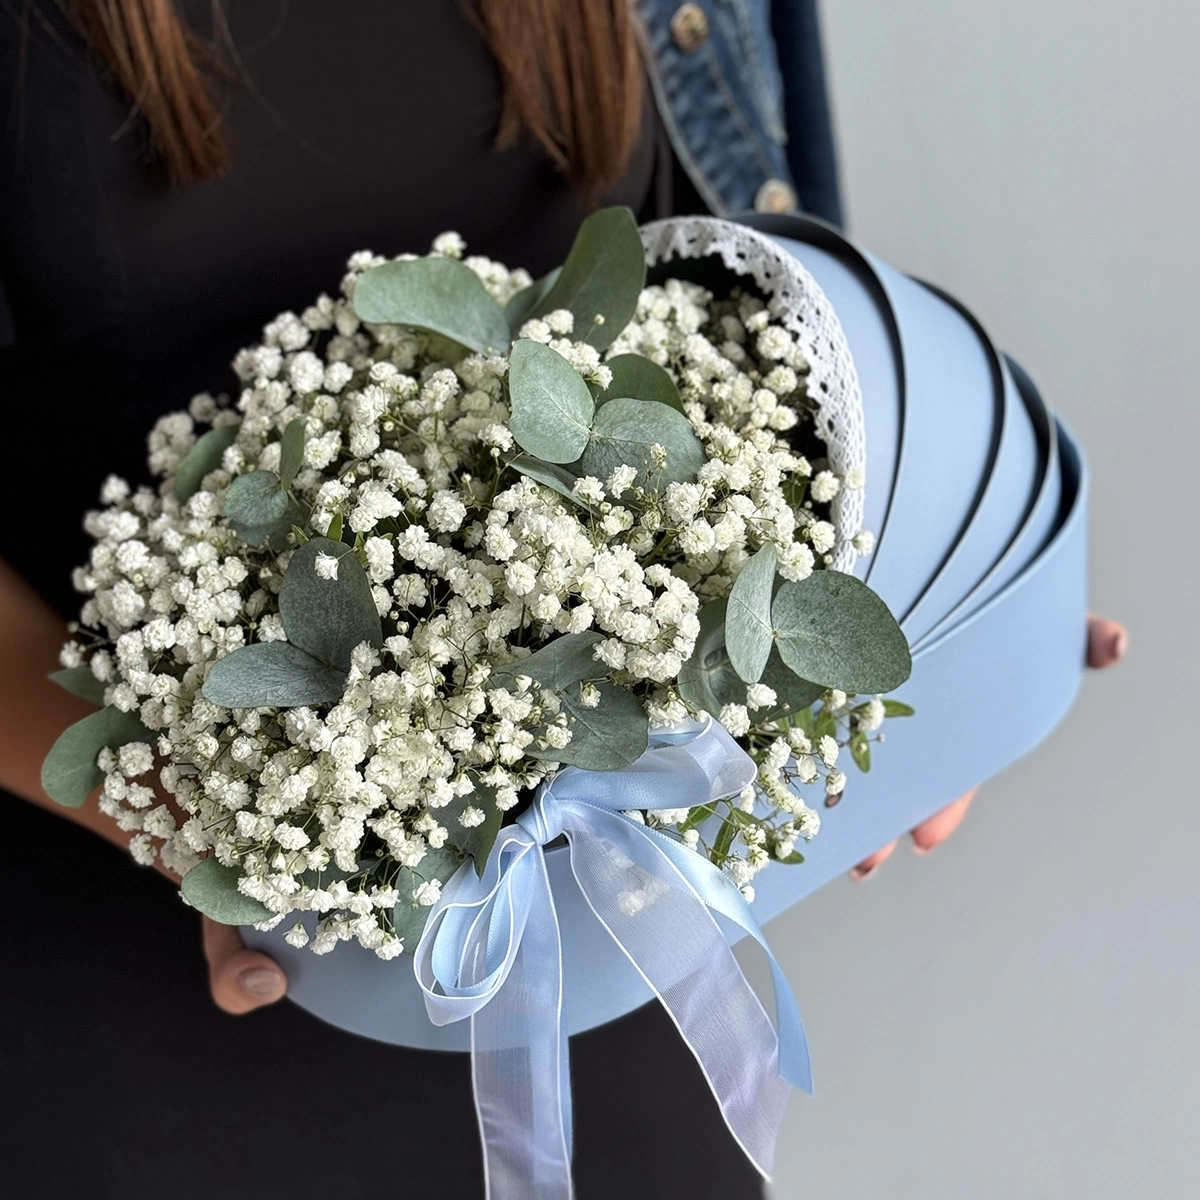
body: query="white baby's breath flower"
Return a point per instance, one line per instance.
(470, 567)
(828, 750)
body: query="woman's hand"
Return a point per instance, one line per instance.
(240, 980)
(1107, 641)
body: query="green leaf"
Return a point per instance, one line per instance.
(521, 306)
(634, 375)
(204, 457)
(613, 733)
(622, 434)
(69, 772)
(291, 454)
(550, 475)
(212, 888)
(831, 628)
(748, 634)
(723, 842)
(334, 532)
(603, 276)
(607, 737)
(551, 405)
(566, 661)
(792, 694)
(696, 817)
(80, 681)
(894, 708)
(255, 499)
(826, 725)
(409, 917)
(478, 840)
(272, 675)
(860, 751)
(328, 617)
(792, 860)
(441, 295)
(707, 681)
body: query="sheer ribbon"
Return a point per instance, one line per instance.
(491, 953)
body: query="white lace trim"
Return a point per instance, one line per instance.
(796, 299)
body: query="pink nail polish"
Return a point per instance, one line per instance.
(861, 873)
(922, 850)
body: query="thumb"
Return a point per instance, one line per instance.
(241, 980)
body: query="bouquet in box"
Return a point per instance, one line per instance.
(475, 563)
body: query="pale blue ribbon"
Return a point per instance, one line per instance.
(491, 952)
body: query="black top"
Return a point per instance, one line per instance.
(364, 125)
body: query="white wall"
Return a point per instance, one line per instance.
(1017, 1015)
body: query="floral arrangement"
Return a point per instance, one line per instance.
(462, 529)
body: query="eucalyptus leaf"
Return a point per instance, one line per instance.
(894, 708)
(272, 675)
(551, 405)
(80, 681)
(748, 635)
(708, 682)
(521, 306)
(564, 662)
(637, 377)
(328, 617)
(273, 535)
(479, 839)
(603, 276)
(410, 917)
(213, 889)
(291, 452)
(612, 734)
(69, 772)
(831, 628)
(441, 295)
(624, 431)
(202, 459)
(255, 499)
(551, 475)
(793, 695)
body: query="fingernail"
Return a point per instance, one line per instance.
(919, 849)
(861, 873)
(1118, 645)
(259, 981)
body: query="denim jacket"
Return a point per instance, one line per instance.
(740, 87)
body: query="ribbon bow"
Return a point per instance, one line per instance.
(491, 952)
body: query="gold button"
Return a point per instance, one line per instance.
(689, 28)
(776, 196)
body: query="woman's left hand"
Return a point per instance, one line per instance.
(1107, 641)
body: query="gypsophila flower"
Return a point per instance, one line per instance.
(355, 803)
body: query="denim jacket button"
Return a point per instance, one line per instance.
(776, 196)
(689, 28)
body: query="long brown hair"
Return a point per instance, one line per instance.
(570, 71)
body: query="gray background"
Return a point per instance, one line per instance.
(1016, 1015)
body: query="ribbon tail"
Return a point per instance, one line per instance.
(664, 927)
(520, 1067)
(718, 894)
